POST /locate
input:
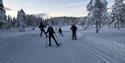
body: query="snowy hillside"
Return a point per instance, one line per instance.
(27, 47)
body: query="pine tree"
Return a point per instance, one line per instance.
(98, 14)
(9, 21)
(14, 22)
(118, 14)
(2, 14)
(21, 18)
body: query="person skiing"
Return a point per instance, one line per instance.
(74, 29)
(60, 31)
(51, 33)
(42, 26)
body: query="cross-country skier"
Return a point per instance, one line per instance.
(60, 31)
(74, 29)
(42, 26)
(51, 33)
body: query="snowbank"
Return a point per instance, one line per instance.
(14, 33)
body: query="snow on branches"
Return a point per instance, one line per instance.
(118, 14)
(98, 14)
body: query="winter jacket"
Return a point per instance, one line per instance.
(50, 31)
(74, 28)
(42, 26)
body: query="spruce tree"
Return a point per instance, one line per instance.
(98, 14)
(118, 13)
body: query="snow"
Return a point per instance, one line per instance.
(106, 47)
(15, 33)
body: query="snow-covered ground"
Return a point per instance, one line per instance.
(15, 32)
(27, 47)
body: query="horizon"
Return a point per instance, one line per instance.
(55, 8)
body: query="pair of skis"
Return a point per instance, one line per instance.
(47, 45)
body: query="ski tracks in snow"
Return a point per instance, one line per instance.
(32, 49)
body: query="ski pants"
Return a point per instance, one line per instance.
(60, 33)
(52, 36)
(74, 37)
(42, 33)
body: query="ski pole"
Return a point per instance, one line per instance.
(57, 38)
(46, 42)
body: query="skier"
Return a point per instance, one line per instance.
(74, 29)
(60, 31)
(51, 33)
(42, 26)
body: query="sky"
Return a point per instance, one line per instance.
(53, 8)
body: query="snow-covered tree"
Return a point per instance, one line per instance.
(9, 21)
(33, 21)
(2, 13)
(118, 13)
(61, 21)
(14, 22)
(98, 14)
(21, 18)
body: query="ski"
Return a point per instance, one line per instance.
(47, 46)
(59, 45)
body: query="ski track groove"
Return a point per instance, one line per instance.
(98, 53)
(10, 55)
(116, 55)
(102, 56)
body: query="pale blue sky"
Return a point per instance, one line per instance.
(51, 7)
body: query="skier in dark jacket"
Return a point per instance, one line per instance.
(60, 32)
(51, 33)
(74, 29)
(42, 26)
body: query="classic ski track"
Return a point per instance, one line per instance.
(99, 54)
(118, 57)
(10, 55)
